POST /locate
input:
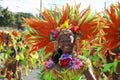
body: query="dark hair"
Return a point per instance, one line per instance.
(116, 50)
(56, 55)
(110, 58)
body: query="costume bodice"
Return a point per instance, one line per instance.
(68, 68)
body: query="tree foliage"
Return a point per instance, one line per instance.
(10, 19)
(19, 21)
(7, 18)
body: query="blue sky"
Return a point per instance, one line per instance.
(31, 5)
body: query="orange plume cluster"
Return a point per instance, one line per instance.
(113, 21)
(80, 22)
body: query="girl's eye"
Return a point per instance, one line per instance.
(65, 41)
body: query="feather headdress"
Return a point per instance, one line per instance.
(113, 22)
(5, 38)
(67, 18)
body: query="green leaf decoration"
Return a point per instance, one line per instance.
(83, 58)
(86, 52)
(71, 12)
(40, 73)
(52, 38)
(58, 17)
(24, 62)
(51, 13)
(102, 58)
(29, 29)
(111, 67)
(7, 54)
(2, 76)
(115, 65)
(94, 58)
(47, 56)
(107, 67)
(90, 15)
(41, 51)
(49, 75)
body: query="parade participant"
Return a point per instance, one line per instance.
(10, 51)
(113, 38)
(113, 56)
(56, 33)
(65, 62)
(116, 52)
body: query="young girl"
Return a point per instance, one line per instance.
(65, 64)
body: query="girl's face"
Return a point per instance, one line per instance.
(66, 43)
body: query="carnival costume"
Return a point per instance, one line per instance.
(46, 30)
(112, 21)
(10, 51)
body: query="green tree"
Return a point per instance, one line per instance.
(19, 20)
(1, 15)
(7, 18)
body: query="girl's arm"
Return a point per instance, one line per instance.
(89, 74)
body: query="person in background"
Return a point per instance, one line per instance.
(111, 56)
